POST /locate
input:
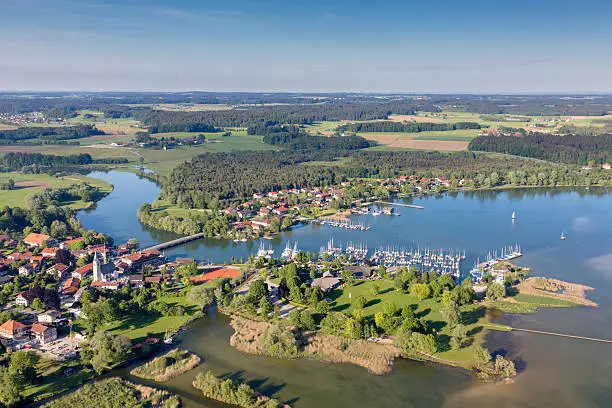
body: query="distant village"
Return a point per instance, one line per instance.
(295, 205)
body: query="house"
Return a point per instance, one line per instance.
(606, 166)
(136, 281)
(105, 285)
(36, 240)
(49, 317)
(49, 252)
(42, 333)
(326, 283)
(71, 286)
(13, 329)
(27, 270)
(23, 299)
(82, 271)
(360, 272)
(58, 269)
(261, 223)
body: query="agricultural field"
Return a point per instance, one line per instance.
(454, 140)
(28, 184)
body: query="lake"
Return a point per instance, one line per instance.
(556, 371)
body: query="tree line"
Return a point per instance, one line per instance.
(580, 149)
(55, 133)
(390, 126)
(280, 114)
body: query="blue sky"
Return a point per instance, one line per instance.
(320, 46)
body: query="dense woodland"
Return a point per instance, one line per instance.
(563, 149)
(39, 162)
(292, 138)
(283, 114)
(48, 133)
(389, 126)
(213, 180)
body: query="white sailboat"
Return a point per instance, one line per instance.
(513, 215)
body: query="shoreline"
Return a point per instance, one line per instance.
(344, 214)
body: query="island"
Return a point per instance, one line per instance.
(172, 364)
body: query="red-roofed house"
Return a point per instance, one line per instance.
(82, 271)
(49, 252)
(13, 329)
(105, 285)
(36, 240)
(58, 269)
(606, 166)
(71, 286)
(42, 333)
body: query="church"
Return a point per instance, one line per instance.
(103, 271)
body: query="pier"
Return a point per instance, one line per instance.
(569, 336)
(418, 207)
(176, 242)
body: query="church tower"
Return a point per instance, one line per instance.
(97, 269)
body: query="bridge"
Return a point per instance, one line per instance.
(176, 242)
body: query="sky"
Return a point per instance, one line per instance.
(437, 46)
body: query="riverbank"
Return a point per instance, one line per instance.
(170, 365)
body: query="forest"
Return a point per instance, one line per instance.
(389, 126)
(578, 149)
(48, 133)
(291, 137)
(281, 114)
(40, 162)
(217, 180)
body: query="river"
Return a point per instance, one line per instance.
(555, 371)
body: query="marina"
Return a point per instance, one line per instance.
(343, 223)
(505, 254)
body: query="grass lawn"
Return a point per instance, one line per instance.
(140, 326)
(54, 381)
(27, 184)
(162, 205)
(473, 316)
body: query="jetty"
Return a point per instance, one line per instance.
(175, 242)
(418, 207)
(569, 336)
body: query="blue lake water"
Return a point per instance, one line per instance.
(558, 372)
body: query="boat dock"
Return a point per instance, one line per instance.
(418, 207)
(569, 336)
(175, 242)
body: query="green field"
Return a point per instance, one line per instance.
(27, 184)
(55, 381)
(473, 316)
(142, 325)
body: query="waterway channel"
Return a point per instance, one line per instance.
(556, 372)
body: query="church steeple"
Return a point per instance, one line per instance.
(97, 269)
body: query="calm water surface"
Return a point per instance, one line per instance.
(557, 372)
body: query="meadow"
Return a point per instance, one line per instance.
(28, 184)
(473, 316)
